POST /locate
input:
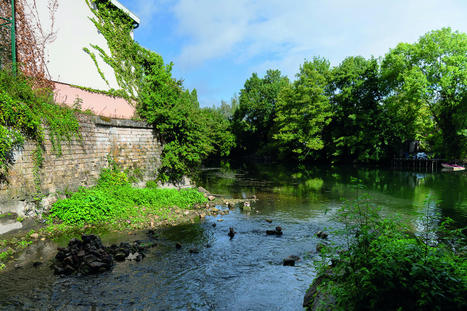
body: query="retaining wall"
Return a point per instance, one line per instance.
(132, 144)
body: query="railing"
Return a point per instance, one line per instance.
(428, 165)
(11, 24)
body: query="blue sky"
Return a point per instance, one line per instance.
(216, 45)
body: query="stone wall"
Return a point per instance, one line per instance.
(132, 144)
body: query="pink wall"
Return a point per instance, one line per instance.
(99, 104)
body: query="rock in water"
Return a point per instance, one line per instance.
(89, 256)
(246, 206)
(277, 231)
(322, 235)
(85, 256)
(290, 261)
(231, 233)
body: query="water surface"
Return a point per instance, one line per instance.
(244, 273)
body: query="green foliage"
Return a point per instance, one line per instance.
(124, 58)
(363, 110)
(27, 114)
(113, 200)
(253, 121)
(218, 130)
(427, 87)
(382, 267)
(303, 110)
(175, 114)
(111, 92)
(357, 130)
(189, 134)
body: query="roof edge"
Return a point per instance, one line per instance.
(127, 11)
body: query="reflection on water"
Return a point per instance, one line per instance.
(244, 273)
(402, 192)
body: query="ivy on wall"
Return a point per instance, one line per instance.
(26, 113)
(125, 54)
(188, 133)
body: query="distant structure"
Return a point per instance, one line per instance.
(70, 66)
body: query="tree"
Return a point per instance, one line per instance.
(219, 132)
(303, 110)
(253, 120)
(427, 90)
(176, 117)
(357, 128)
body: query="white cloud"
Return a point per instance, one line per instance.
(286, 32)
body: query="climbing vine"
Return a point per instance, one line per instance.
(26, 113)
(31, 39)
(125, 54)
(188, 133)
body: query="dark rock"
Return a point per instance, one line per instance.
(208, 245)
(214, 225)
(36, 264)
(194, 251)
(277, 231)
(322, 235)
(89, 256)
(290, 261)
(316, 300)
(178, 245)
(120, 256)
(231, 233)
(85, 256)
(268, 220)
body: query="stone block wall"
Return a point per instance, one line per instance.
(132, 144)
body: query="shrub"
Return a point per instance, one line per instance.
(384, 268)
(114, 200)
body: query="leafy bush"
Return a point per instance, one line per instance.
(114, 200)
(383, 267)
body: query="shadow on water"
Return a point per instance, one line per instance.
(246, 272)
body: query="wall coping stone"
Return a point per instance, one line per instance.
(120, 123)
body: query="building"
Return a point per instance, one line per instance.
(69, 65)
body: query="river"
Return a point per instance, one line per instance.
(246, 272)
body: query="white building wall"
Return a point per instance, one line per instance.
(67, 62)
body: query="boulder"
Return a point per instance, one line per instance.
(277, 231)
(321, 235)
(231, 233)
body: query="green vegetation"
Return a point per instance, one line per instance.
(384, 267)
(9, 247)
(114, 202)
(362, 110)
(252, 121)
(190, 134)
(28, 114)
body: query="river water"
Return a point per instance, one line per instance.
(246, 272)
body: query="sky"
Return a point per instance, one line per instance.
(216, 45)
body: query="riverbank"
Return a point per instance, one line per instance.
(112, 207)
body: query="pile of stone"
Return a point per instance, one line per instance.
(85, 256)
(89, 256)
